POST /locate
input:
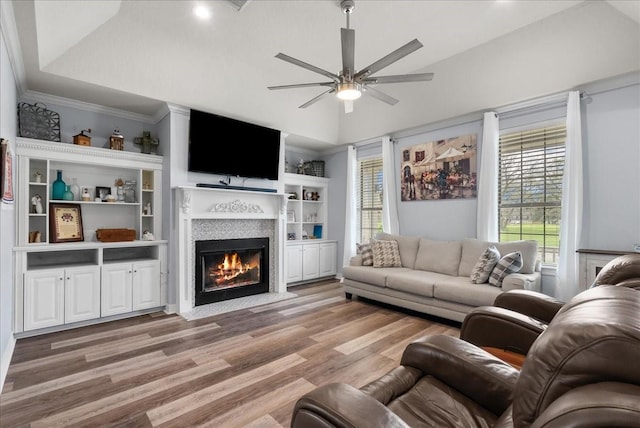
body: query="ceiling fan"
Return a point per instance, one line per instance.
(349, 84)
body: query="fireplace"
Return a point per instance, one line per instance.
(230, 268)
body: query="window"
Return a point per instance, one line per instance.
(369, 198)
(530, 187)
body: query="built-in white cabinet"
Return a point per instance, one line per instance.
(128, 287)
(65, 281)
(307, 261)
(61, 296)
(327, 253)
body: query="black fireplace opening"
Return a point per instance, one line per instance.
(231, 268)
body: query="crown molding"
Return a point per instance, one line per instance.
(81, 105)
(10, 35)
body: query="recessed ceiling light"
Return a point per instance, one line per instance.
(202, 11)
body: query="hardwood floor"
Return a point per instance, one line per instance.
(243, 368)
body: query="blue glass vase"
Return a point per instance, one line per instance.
(68, 194)
(58, 188)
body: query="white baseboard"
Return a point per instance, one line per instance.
(6, 360)
(171, 308)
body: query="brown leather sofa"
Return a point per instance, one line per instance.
(518, 317)
(582, 371)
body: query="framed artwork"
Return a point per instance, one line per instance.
(291, 216)
(6, 172)
(102, 193)
(443, 169)
(65, 223)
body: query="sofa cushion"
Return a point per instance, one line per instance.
(510, 263)
(407, 245)
(439, 256)
(459, 289)
(385, 254)
(484, 266)
(368, 274)
(413, 281)
(366, 252)
(473, 248)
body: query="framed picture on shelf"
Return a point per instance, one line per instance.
(65, 223)
(291, 216)
(317, 231)
(102, 193)
(291, 236)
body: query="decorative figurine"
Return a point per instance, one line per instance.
(86, 196)
(147, 236)
(147, 208)
(146, 141)
(36, 204)
(116, 140)
(37, 177)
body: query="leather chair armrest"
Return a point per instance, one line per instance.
(608, 404)
(501, 328)
(341, 405)
(467, 368)
(531, 303)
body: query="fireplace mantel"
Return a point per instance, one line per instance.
(199, 203)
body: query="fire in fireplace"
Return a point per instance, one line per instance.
(231, 268)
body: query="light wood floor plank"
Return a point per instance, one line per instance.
(239, 369)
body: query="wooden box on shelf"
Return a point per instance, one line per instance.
(81, 139)
(115, 235)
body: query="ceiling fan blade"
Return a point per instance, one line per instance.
(380, 95)
(302, 85)
(389, 59)
(313, 100)
(309, 67)
(348, 52)
(400, 78)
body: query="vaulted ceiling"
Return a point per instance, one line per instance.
(137, 55)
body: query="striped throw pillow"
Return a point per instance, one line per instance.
(485, 264)
(510, 263)
(366, 252)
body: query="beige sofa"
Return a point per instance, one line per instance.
(435, 275)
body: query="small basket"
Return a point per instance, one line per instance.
(318, 168)
(35, 121)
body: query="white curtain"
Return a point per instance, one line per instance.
(487, 218)
(567, 273)
(390, 222)
(351, 209)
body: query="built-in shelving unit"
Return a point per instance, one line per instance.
(58, 285)
(309, 254)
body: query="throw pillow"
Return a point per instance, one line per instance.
(385, 254)
(366, 252)
(510, 263)
(485, 264)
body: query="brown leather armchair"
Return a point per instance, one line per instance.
(518, 317)
(582, 371)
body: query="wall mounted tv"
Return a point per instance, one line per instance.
(225, 146)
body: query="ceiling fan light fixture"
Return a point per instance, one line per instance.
(349, 91)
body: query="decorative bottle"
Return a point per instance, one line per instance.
(68, 194)
(58, 187)
(75, 189)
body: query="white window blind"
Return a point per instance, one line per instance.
(530, 187)
(369, 198)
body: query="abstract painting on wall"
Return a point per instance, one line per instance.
(443, 169)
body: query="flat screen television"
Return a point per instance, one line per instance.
(225, 146)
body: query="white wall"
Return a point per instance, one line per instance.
(611, 133)
(8, 130)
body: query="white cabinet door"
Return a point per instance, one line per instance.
(328, 259)
(116, 293)
(294, 263)
(43, 298)
(81, 294)
(146, 284)
(310, 261)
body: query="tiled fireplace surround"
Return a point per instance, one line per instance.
(204, 213)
